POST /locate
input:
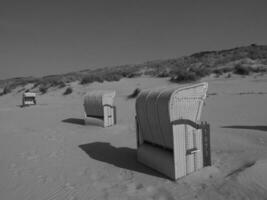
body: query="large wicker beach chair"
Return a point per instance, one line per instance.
(170, 138)
(28, 98)
(100, 104)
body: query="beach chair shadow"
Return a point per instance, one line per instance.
(122, 157)
(258, 128)
(74, 121)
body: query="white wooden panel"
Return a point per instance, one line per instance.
(199, 155)
(190, 164)
(105, 116)
(113, 117)
(179, 151)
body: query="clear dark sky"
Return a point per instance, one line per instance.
(48, 37)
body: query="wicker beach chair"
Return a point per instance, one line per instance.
(99, 104)
(170, 138)
(28, 98)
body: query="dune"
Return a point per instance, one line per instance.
(47, 153)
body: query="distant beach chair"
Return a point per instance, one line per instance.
(170, 138)
(100, 105)
(28, 98)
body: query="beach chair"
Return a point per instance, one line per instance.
(28, 98)
(170, 138)
(99, 104)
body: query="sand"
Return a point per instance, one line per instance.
(46, 153)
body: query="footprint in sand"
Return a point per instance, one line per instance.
(53, 155)
(14, 169)
(44, 179)
(261, 141)
(125, 175)
(95, 176)
(102, 185)
(12, 166)
(148, 193)
(31, 156)
(98, 174)
(83, 172)
(133, 188)
(56, 154)
(17, 172)
(151, 190)
(162, 194)
(54, 138)
(63, 192)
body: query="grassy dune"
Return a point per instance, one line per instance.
(241, 60)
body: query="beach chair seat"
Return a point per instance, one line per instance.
(99, 104)
(170, 137)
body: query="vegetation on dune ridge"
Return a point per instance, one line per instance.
(134, 94)
(240, 60)
(68, 91)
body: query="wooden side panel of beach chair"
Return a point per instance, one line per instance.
(190, 157)
(198, 144)
(187, 103)
(193, 150)
(198, 136)
(106, 114)
(179, 151)
(206, 144)
(182, 151)
(112, 115)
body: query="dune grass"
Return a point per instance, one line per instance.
(241, 61)
(68, 91)
(134, 94)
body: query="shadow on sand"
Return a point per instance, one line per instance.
(74, 121)
(122, 157)
(259, 128)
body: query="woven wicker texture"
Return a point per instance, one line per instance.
(157, 108)
(95, 100)
(29, 94)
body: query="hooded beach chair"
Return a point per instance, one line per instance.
(170, 138)
(28, 98)
(99, 104)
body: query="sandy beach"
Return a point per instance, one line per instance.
(47, 153)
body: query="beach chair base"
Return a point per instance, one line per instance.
(109, 118)
(181, 161)
(28, 103)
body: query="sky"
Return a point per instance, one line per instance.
(46, 37)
